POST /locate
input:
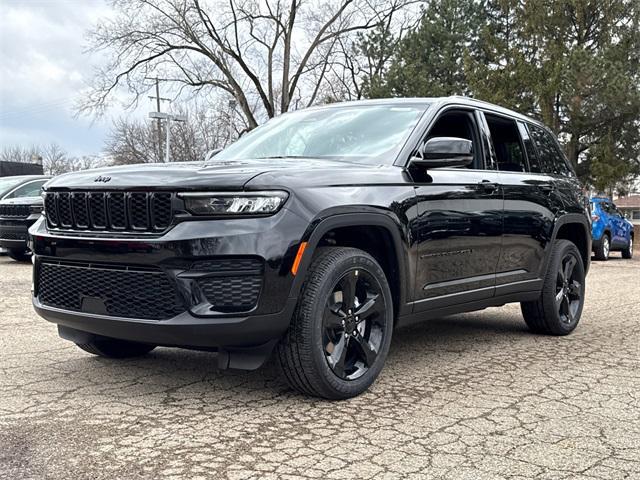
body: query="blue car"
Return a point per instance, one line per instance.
(610, 230)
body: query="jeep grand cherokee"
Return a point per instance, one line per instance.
(317, 234)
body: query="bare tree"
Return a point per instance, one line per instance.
(270, 56)
(16, 153)
(135, 141)
(55, 160)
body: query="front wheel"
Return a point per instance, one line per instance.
(340, 333)
(558, 309)
(628, 251)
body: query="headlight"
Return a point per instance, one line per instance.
(241, 203)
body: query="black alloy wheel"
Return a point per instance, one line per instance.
(353, 324)
(568, 289)
(340, 333)
(558, 309)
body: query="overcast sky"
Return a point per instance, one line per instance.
(43, 71)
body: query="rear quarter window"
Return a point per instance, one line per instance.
(551, 158)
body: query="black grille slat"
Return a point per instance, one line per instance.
(135, 211)
(139, 210)
(80, 210)
(64, 210)
(161, 210)
(124, 291)
(50, 209)
(116, 207)
(97, 210)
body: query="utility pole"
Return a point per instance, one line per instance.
(158, 121)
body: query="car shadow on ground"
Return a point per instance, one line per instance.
(195, 373)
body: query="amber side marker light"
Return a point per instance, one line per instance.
(296, 262)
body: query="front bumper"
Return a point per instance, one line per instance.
(184, 330)
(14, 233)
(201, 325)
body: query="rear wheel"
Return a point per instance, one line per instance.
(19, 255)
(603, 248)
(558, 310)
(628, 251)
(115, 348)
(341, 331)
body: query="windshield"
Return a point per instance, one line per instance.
(365, 133)
(7, 183)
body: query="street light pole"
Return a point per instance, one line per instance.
(168, 118)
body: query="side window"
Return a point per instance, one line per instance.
(461, 124)
(532, 154)
(551, 157)
(32, 189)
(506, 144)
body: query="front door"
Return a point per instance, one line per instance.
(459, 222)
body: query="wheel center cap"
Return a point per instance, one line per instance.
(350, 324)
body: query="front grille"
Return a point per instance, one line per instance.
(109, 211)
(231, 284)
(15, 211)
(119, 291)
(12, 235)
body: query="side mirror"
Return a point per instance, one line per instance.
(444, 152)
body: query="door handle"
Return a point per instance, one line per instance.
(488, 186)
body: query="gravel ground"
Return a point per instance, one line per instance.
(471, 396)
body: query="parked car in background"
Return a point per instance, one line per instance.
(315, 235)
(20, 207)
(610, 230)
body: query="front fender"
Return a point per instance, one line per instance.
(328, 221)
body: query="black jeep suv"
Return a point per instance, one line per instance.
(315, 235)
(20, 207)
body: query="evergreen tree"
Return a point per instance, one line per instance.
(428, 61)
(574, 64)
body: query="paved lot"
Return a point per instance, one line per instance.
(472, 396)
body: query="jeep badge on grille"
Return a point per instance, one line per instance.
(102, 179)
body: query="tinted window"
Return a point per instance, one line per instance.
(551, 158)
(532, 154)
(32, 189)
(506, 144)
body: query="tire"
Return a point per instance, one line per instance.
(603, 248)
(331, 350)
(19, 255)
(115, 348)
(627, 252)
(558, 310)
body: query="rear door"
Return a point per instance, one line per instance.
(531, 202)
(459, 221)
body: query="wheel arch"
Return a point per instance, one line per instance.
(375, 233)
(576, 229)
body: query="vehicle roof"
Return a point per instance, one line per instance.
(440, 101)
(600, 199)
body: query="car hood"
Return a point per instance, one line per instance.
(223, 175)
(22, 201)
